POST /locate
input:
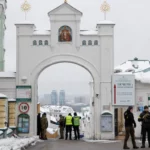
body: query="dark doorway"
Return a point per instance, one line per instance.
(116, 122)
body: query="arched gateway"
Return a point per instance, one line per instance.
(64, 43)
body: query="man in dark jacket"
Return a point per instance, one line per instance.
(39, 125)
(145, 119)
(129, 129)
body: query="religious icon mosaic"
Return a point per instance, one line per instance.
(65, 34)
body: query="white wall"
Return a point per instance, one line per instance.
(8, 87)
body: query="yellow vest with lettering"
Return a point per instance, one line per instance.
(69, 120)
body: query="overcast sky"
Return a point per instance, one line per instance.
(132, 30)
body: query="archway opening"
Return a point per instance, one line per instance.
(66, 88)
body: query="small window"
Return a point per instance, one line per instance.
(95, 42)
(23, 123)
(45, 42)
(34, 42)
(89, 42)
(40, 42)
(83, 42)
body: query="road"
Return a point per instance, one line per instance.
(78, 145)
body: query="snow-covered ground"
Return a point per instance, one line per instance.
(17, 143)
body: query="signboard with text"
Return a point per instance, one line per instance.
(123, 90)
(23, 93)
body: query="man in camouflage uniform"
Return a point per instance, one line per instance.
(44, 126)
(61, 126)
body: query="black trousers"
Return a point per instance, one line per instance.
(76, 132)
(68, 130)
(144, 131)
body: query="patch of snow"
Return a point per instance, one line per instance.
(9, 131)
(8, 74)
(51, 131)
(106, 22)
(17, 143)
(25, 22)
(40, 32)
(101, 141)
(1, 132)
(2, 95)
(90, 32)
(12, 100)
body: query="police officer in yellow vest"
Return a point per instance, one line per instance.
(68, 124)
(76, 124)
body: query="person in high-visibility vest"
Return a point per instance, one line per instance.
(76, 124)
(68, 124)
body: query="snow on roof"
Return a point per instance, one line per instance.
(25, 22)
(2, 95)
(89, 32)
(7, 74)
(137, 66)
(105, 22)
(140, 68)
(40, 32)
(12, 100)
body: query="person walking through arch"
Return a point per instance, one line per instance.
(76, 125)
(129, 128)
(68, 125)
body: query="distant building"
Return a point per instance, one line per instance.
(54, 98)
(62, 97)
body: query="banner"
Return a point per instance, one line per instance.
(123, 90)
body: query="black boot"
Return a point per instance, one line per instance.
(126, 147)
(143, 145)
(135, 147)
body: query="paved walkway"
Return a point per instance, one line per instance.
(77, 145)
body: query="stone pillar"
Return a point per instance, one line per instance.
(106, 38)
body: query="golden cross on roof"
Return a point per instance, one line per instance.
(66, 1)
(25, 7)
(105, 7)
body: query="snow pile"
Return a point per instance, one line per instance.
(40, 32)
(143, 77)
(16, 143)
(140, 68)
(51, 131)
(90, 32)
(101, 141)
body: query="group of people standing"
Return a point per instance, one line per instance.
(68, 123)
(130, 124)
(42, 125)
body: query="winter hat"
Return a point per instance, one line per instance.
(145, 107)
(130, 107)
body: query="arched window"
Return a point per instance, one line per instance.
(65, 34)
(23, 123)
(83, 42)
(40, 42)
(45, 42)
(34, 42)
(89, 42)
(96, 42)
